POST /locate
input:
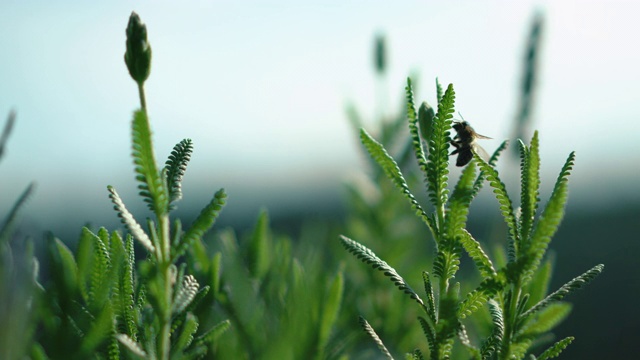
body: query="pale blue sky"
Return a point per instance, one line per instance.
(261, 88)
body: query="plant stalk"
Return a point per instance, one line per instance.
(143, 101)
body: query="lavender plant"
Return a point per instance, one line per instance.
(515, 293)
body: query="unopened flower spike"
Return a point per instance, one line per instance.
(138, 54)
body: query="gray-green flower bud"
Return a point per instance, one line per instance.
(425, 120)
(138, 54)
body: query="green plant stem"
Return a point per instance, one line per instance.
(143, 101)
(510, 318)
(165, 264)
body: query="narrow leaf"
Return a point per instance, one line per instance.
(212, 334)
(203, 222)
(132, 346)
(129, 221)
(153, 187)
(185, 337)
(414, 130)
(530, 185)
(185, 295)
(493, 342)
(556, 349)
(367, 256)
(430, 333)
(372, 333)
(479, 257)
(430, 305)
(176, 166)
(391, 169)
(438, 157)
(551, 216)
(566, 289)
(499, 189)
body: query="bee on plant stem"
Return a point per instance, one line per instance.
(465, 142)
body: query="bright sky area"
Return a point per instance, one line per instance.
(261, 88)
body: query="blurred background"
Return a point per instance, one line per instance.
(262, 88)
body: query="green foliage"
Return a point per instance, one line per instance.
(103, 303)
(279, 297)
(175, 167)
(18, 275)
(264, 295)
(515, 323)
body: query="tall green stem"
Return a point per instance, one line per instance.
(165, 267)
(143, 101)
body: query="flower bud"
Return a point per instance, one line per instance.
(425, 120)
(138, 54)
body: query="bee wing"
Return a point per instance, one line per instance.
(478, 136)
(481, 152)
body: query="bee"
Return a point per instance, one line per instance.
(465, 141)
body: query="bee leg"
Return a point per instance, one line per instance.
(457, 147)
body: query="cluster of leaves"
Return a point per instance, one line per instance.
(272, 297)
(514, 293)
(100, 301)
(281, 298)
(105, 301)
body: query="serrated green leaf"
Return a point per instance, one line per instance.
(99, 282)
(129, 221)
(488, 288)
(551, 217)
(185, 294)
(212, 334)
(458, 206)
(430, 304)
(492, 161)
(414, 130)
(447, 260)
(493, 343)
(479, 257)
(438, 157)
(133, 347)
(127, 290)
(153, 187)
(556, 349)
(372, 333)
(500, 190)
(546, 319)
(185, 337)
(565, 290)
(391, 169)
(429, 333)
(203, 222)
(368, 257)
(176, 166)
(530, 185)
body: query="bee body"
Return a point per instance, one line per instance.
(464, 142)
